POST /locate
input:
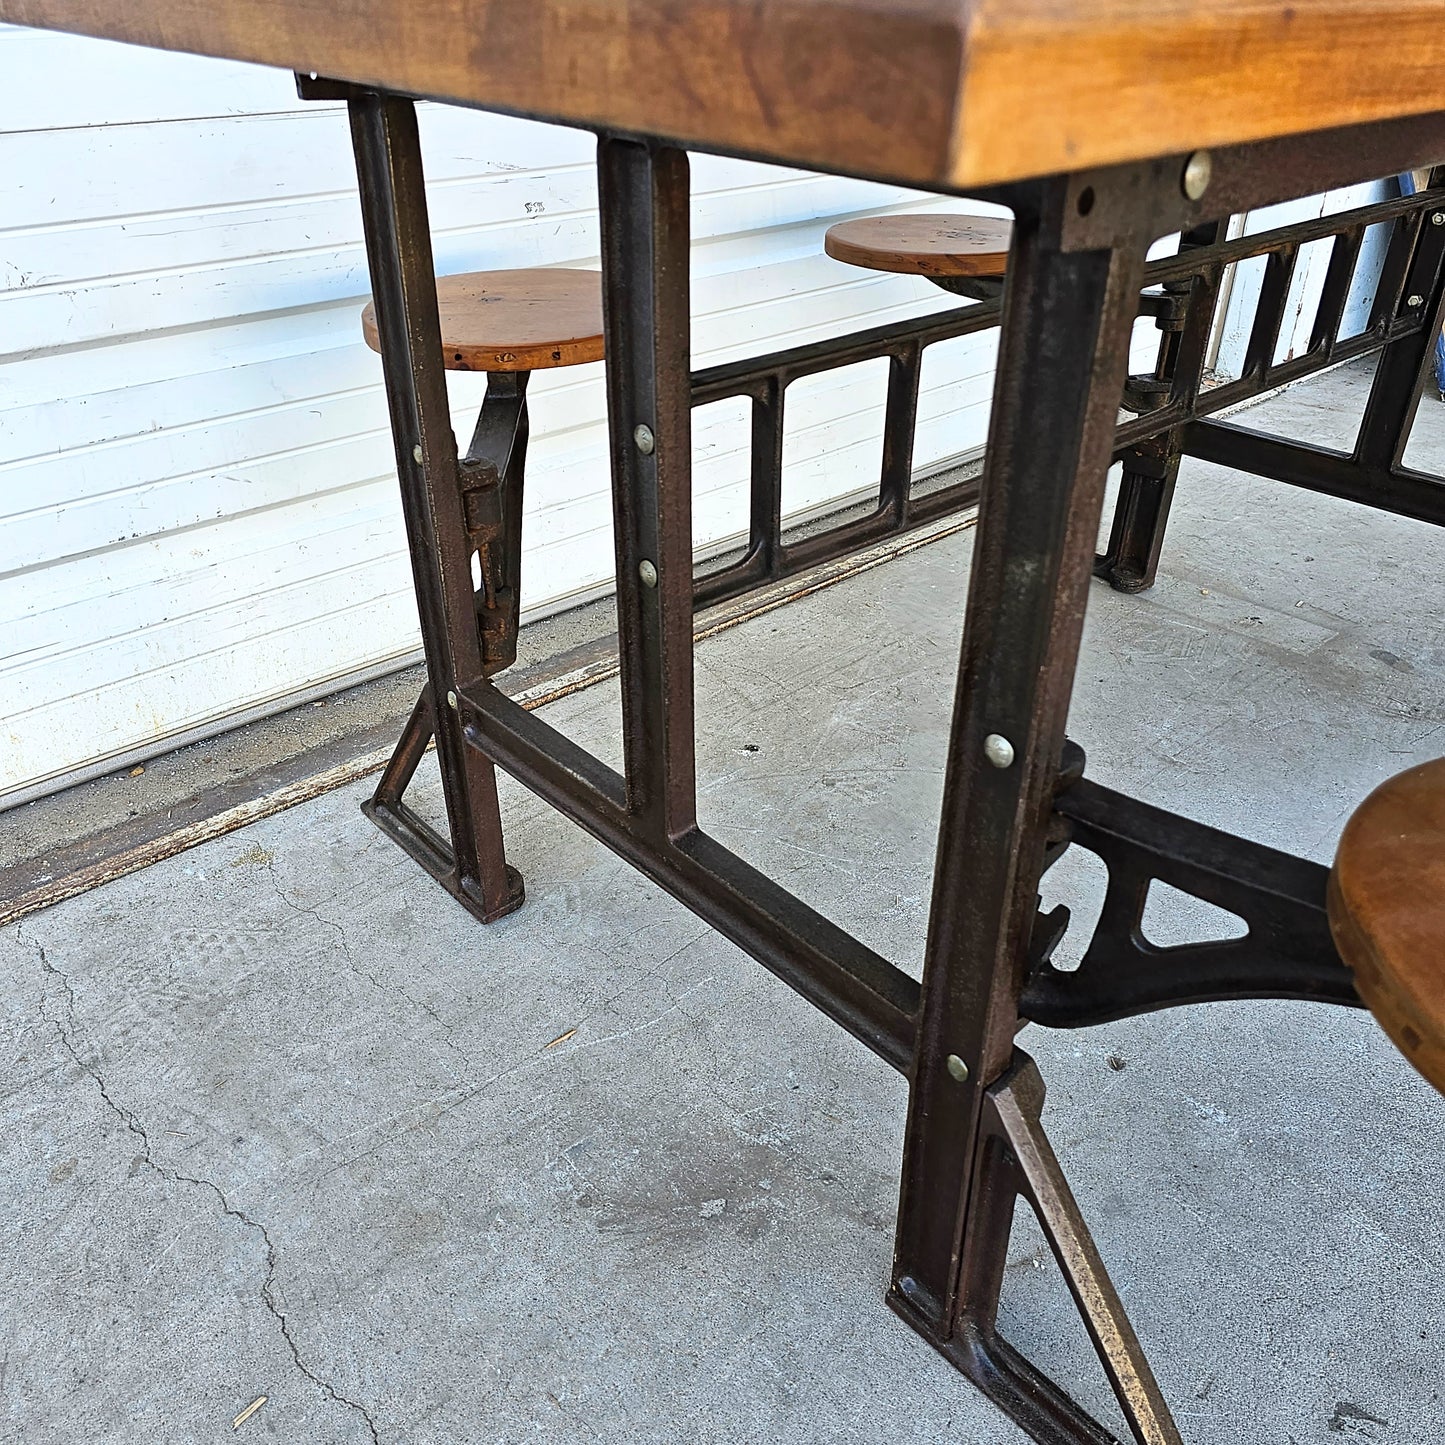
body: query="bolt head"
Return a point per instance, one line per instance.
(998, 750)
(647, 572)
(1413, 301)
(416, 454)
(1438, 219)
(452, 700)
(1198, 171)
(957, 1068)
(646, 442)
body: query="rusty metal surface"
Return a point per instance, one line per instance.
(1104, 204)
(398, 247)
(490, 477)
(1180, 292)
(1014, 795)
(647, 812)
(1067, 322)
(1014, 1160)
(1130, 560)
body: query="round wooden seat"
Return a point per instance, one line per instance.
(923, 245)
(1386, 902)
(523, 320)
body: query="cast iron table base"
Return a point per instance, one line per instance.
(974, 1141)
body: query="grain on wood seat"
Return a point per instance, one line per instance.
(923, 245)
(1386, 903)
(522, 320)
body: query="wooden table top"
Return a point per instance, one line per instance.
(946, 94)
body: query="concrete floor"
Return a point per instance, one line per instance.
(280, 1119)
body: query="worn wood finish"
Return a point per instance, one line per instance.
(923, 245)
(1387, 911)
(944, 93)
(522, 320)
(1056, 85)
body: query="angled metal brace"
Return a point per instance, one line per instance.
(1027, 1166)
(1017, 1161)
(490, 479)
(1287, 952)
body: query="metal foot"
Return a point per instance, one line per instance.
(387, 808)
(1016, 1161)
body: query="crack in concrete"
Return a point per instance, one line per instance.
(65, 1030)
(314, 912)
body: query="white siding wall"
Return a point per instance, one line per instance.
(198, 511)
(1236, 317)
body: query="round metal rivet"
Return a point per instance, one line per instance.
(998, 750)
(645, 440)
(647, 572)
(1438, 219)
(957, 1068)
(451, 699)
(1198, 171)
(416, 454)
(1415, 301)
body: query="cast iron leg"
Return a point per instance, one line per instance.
(398, 244)
(1064, 346)
(1146, 491)
(643, 193)
(497, 459)
(1413, 269)
(1130, 562)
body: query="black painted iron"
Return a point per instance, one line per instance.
(1407, 294)
(1151, 466)
(1287, 951)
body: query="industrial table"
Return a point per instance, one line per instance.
(1103, 125)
